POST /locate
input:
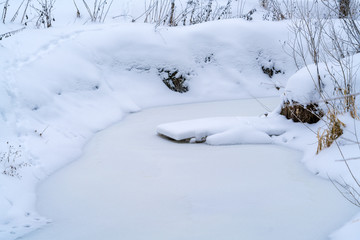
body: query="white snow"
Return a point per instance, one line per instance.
(350, 230)
(276, 129)
(216, 131)
(138, 185)
(60, 86)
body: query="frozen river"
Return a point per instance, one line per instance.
(131, 184)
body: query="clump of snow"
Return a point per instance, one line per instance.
(240, 135)
(217, 131)
(303, 87)
(197, 129)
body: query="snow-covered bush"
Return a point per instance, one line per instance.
(11, 162)
(324, 47)
(336, 95)
(337, 101)
(268, 66)
(175, 79)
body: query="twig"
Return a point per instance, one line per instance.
(9, 34)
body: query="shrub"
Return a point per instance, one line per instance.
(10, 161)
(174, 79)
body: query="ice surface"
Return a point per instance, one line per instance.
(141, 186)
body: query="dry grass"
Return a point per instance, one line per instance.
(333, 131)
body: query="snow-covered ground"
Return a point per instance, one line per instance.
(60, 86)
(138, 185)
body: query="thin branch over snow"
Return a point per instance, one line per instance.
(9, 34)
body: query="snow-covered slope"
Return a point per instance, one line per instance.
(61, 85)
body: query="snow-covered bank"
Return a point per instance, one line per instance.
(338, 162)
(62, 85)
(140, 186)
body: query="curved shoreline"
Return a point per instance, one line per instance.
(193, 196)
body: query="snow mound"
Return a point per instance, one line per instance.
(350, 231)
(239, 135)
(303, 86)
(223, 130)
(197, 129)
